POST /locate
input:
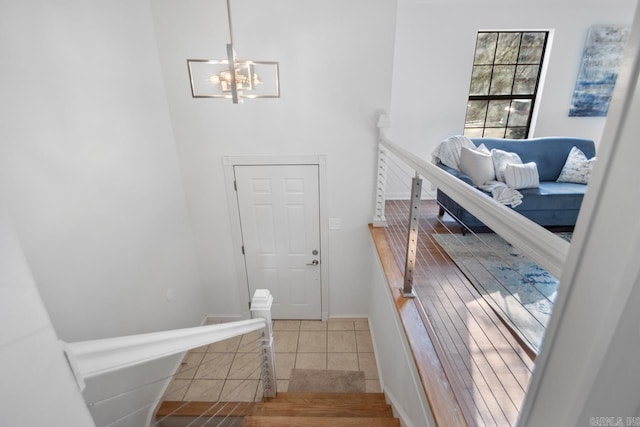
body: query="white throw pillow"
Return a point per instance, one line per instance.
(501, 159)
(577, 168)
(483, 149)
(521, 176)
(448, 151)
(477, 165)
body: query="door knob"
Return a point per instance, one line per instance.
(314, 262)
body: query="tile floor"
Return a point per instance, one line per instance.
(228, 370)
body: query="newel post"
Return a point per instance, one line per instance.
(379, 219)
(261, 309)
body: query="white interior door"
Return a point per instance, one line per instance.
(280, 220)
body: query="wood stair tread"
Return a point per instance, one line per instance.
(324, 405)
(196, 409)
(284, 421)
(370, 398)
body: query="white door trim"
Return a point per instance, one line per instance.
(228, 163)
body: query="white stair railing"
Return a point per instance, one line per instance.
(538, 243)
(96, 357)
(261, 309)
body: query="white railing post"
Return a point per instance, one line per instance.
(261, 309)
(379, 219)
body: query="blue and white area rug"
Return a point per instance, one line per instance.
(519, 290)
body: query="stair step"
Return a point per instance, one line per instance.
(284, 421)
(364, 398)
(324, 405)
(196, 409)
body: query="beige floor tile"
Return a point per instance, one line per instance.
(177, 390)
(189, 366)
(341, 342)
(215, 366)
(226, 346)
(341, 325)
(361, 324)
(363, 341)
(202, 349)
(285, 341)
(372, 386)
(231, 367)
(239, 391)
(204, 390)
(285, 362)
(283, 386)
(367, 363)
(312, 342)
(313, 325)
(249, 343)
(311, 361)
(245, 366)
(286, 325)
(342, 361)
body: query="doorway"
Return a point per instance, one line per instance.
(279, 228)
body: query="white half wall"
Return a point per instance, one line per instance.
(399, 377)
(335, 72)
(88, 168)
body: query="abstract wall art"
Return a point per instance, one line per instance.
(601, 59)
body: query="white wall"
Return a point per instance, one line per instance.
(88, 168)
(434, 49)
(37, 386)
(89, 174)
(399, 376)
(335, 70)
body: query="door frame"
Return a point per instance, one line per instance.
(319, 160)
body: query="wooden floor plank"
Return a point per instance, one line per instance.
(444, 404)
(492, 369)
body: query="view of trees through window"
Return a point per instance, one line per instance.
(504, 82)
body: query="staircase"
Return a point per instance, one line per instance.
(288, 410)
(323, 409)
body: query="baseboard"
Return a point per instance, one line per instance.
(348, 316)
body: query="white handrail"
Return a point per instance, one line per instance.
(91, 358)
(538, 243)
(96, 357)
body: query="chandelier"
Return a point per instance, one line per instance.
(233, 78)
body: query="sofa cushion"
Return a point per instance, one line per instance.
(552, 196)
(477, 164)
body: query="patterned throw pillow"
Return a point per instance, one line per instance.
(577, 168)
(521, 176)
(501, 159)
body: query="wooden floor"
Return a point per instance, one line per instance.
(486, 365)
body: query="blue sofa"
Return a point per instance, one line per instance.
(552, 203)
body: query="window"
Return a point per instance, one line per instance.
(504, 83)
